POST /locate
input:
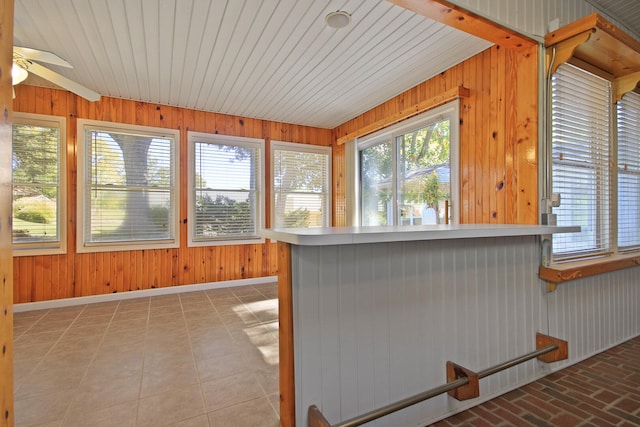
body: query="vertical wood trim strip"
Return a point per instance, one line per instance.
(6, 261)
(285, 318)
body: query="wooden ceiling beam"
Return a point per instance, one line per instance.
(464, 20)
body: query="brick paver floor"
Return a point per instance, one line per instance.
(603, 390)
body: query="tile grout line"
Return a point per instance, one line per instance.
(193, 357)
(144, 356)
(41, 360)
(86, 371)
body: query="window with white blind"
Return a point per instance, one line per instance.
(628, 168)
(581, 160)
(128, 188)
(39, 193)
(595, 165)
(300, 195)
(225, 189)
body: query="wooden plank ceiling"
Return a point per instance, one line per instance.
(270, 59)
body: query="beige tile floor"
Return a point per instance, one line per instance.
(196, 359)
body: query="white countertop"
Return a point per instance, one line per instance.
(378, 234)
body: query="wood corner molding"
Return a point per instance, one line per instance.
(469, 22)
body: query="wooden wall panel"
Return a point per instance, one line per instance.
(498, 134)
(41, 278)
(6, 267)
(498, 174)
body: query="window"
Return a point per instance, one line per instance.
(127, 187)
(628, 168)
(409, 172)
(225, 189)
(39, 194)
(599, 190)
(581, 122)
(301, 195)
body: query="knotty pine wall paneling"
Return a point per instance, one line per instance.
(498, 135)
(72, 274)
(6, 267)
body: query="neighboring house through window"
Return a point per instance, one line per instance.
(225, 189)
(128, 188)
(300, 195)
(39, 185)
(408, 172)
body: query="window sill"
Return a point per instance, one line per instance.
(20, 251)
(560, 273)
(127, 246)
(229, 242)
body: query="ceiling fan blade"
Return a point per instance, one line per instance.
(63, 82)
(41, 56)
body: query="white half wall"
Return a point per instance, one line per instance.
(375, 323)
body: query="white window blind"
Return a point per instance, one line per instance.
(37, 182)
(581, 122)
(301, 195)
(226, 188)
(629, 172)
(129, 187)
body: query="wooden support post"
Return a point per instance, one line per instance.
(6, 260)
(285, 318)
(467, 391)
(561, 353)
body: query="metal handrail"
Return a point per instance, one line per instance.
(316, 419)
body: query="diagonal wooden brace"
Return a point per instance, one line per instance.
(561, 353)
(467, 391)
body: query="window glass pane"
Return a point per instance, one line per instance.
(36, 183)
(376, 184)
(225, 193)
(130, 187)
(580, 160)
(629, 171)
(301, 193)
(408, 171)
(423, 172)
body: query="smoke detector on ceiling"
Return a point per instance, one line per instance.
(338, 19)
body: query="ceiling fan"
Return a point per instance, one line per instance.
(25, 61)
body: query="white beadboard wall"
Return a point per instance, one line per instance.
(379, 321)
(596, 313)
(527, 16)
